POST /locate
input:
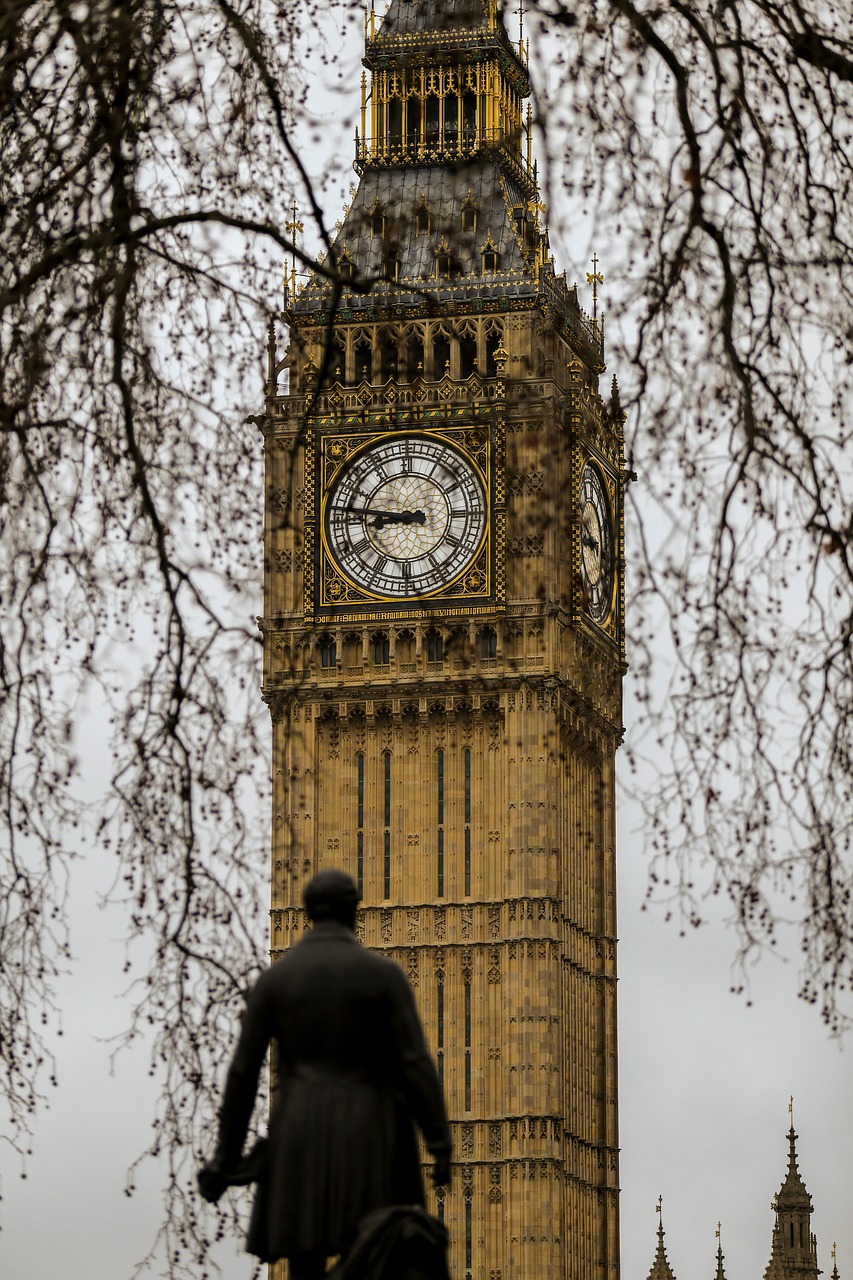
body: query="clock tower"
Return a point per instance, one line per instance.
(443, 629)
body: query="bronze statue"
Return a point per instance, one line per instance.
(354, 1078)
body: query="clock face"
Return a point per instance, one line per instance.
(596, 545)
(406, 516)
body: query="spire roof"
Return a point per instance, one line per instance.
(661, 1270)
(792, 1194)
(721, 1275)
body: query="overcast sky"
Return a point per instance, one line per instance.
(705, 1082)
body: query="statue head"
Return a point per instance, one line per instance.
(331, 895)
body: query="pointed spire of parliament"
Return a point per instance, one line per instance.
(720, 1274)
(794, 1248)
(661, 1270)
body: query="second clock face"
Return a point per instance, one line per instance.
(596, 545)
(406, 516)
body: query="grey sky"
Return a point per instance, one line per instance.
(705, 1078)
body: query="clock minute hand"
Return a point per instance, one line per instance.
(589, 542)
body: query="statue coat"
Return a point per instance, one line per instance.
(354, 1079)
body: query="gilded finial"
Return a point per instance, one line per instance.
(595, 278)
(293, 228)
(718, 1230)
(659, 1211)
(791, 1109)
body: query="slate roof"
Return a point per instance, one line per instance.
(444, 189)
(406, 17)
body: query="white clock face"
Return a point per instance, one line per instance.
(406, 516)
(596, 545)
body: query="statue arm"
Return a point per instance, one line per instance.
(241, 1084)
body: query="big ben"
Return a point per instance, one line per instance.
(443, 630)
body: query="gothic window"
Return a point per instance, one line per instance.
(467, 355)
(468, 1046)
(440, 355)
(432, 120)
(377, 222)
(493, 341)
(422, 220)
(467, 861)
(443, 263)
(414, 359)
(390, 267)
(488, 643)
(352, 650)
(413, 120)
(439, 1013)
(434, 646)
(405, 646)
(328, 652)
(440, 823)
(381, 648)
(359, 835)
(337, 368)
(469, 216)
(363, 360)
(345, 267)
(386, 827)
(389, 358)
(451, 122)
(469, 119)
(491, 258)
(395, 122)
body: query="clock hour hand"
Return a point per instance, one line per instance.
(380, 518)
(589, 542)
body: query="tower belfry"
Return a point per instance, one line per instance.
(443, 631)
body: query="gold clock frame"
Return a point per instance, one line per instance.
(330, 593)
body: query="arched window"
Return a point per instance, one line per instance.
(389, 358)
(493, 342)
(337, 370)
(405, 647)
(469, 216)
(413, 122)
(469, 119)
(488, 643)
(377, 222)
(381, 647)
(352, 650)
(467, 355)
(434, 646)
(395, 121)
(431, 115)
(414, 359)
(440, 355)
(422, 221)
(363, 360)
(328, 652)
